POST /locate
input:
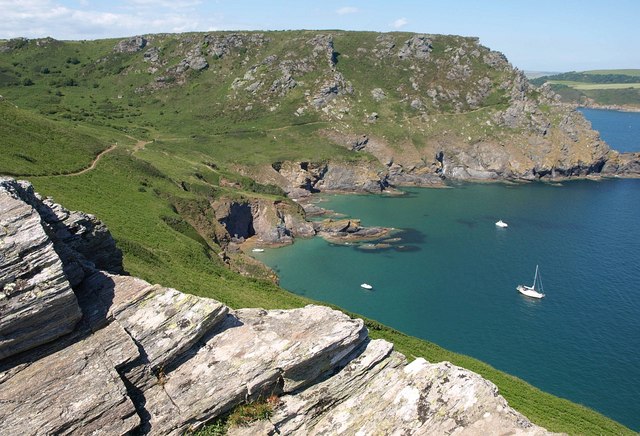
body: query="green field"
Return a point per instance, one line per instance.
(77, 99)
(591, 86)
(596, 87)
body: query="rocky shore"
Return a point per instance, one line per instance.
(85, 349)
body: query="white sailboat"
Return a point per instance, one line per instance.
(501, 224)
(533, 291)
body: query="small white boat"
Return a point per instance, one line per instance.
(532, 291)
(366, 286)
(258, 250)
(502, 224)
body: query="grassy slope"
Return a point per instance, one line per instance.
(34, 145)
(135, 191)
(590, 86)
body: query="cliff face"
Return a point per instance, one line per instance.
(122, 355)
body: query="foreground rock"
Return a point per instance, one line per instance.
(75, 390)
(37, 303)
(378, 392)
(152, 360)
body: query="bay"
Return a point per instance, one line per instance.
(621, 130)
(452, 278)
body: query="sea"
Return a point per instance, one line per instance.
(448, 274)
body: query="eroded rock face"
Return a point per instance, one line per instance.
(37, 304)
(271, 222)
(299, 179)
(130, 45)
(74, 390)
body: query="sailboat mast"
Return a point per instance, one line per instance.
(535, 278)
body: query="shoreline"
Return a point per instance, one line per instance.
(608, 107)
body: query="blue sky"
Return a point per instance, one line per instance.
(542, 35)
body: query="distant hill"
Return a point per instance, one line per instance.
(596, 88)
(535, 74)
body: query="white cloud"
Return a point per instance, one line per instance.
(400, 22)
(40, 18)
(347, 10)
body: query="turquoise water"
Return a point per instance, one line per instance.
(452, 278)
(621, 130)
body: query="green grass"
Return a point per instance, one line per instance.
(33, 145)
(602, 87)
(591, 86)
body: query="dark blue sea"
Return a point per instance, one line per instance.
(452, 277)
(621, 130)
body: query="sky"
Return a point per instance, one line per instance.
(539, 35)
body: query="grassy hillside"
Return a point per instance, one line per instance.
(597, 87)
(628, 72)
(34, 145)
(262, 98)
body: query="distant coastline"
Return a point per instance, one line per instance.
(609, 107)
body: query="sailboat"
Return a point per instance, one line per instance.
(533, 291)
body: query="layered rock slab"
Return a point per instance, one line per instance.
(378, 392)
(253, 353)
(75, 390)
(37, 303)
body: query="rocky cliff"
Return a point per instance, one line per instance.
(314, 111)
(88, 350)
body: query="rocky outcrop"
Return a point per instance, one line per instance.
(152, 360)
(71, 387)
(418, 47)
(130, 45)
(269, 221)
(622, 164)
(346, 230)
(300, 179)
(379, 392)
(37, 304)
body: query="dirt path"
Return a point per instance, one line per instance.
(94, 163)
(138, 146)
